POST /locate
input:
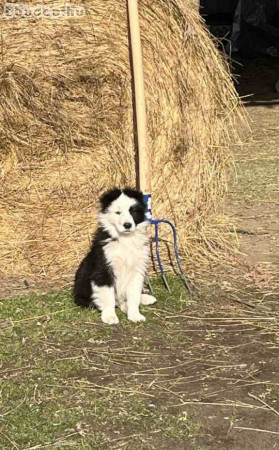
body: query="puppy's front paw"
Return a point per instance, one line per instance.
(136, 317)
(109, 318)
(147, 299)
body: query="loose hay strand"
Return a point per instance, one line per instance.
(256, 429)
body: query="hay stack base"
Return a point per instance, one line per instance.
(66, 131)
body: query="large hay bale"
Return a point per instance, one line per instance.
(66, 130)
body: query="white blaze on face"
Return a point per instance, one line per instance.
(118, 217)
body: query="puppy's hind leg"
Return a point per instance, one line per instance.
(104, 300)
(147, 299)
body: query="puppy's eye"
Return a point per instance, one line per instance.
(118, 212)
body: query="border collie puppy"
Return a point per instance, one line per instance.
(112, 274)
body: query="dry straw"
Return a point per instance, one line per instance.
(66, 131)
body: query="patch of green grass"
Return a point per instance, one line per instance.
(272, 396)
(187, 427)
(68, 380)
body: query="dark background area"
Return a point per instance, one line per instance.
(218, 11)
(253, 52)
(259, 21)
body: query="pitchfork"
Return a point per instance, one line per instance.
(143, 163)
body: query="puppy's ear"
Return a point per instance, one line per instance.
(108, 197)
(133, 193)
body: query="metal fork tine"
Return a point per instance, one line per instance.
(149, 285)
(177, 257)
(156, 223)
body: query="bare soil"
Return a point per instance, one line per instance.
(253, 205)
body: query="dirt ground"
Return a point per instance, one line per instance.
(253, 205)
(254, 201)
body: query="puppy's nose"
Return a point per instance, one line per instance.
(127, 225)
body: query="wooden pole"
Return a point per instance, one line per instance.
(138, 76)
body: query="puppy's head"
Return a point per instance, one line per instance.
(122, 211)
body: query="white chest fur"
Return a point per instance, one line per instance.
(128, 257)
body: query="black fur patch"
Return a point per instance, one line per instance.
(138, 213)
(108, 197)
(94, 267)
(137, 195)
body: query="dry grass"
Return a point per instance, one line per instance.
(66, 131)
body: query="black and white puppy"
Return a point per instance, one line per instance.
(112, 274)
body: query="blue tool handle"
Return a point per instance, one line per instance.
(148, 202)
